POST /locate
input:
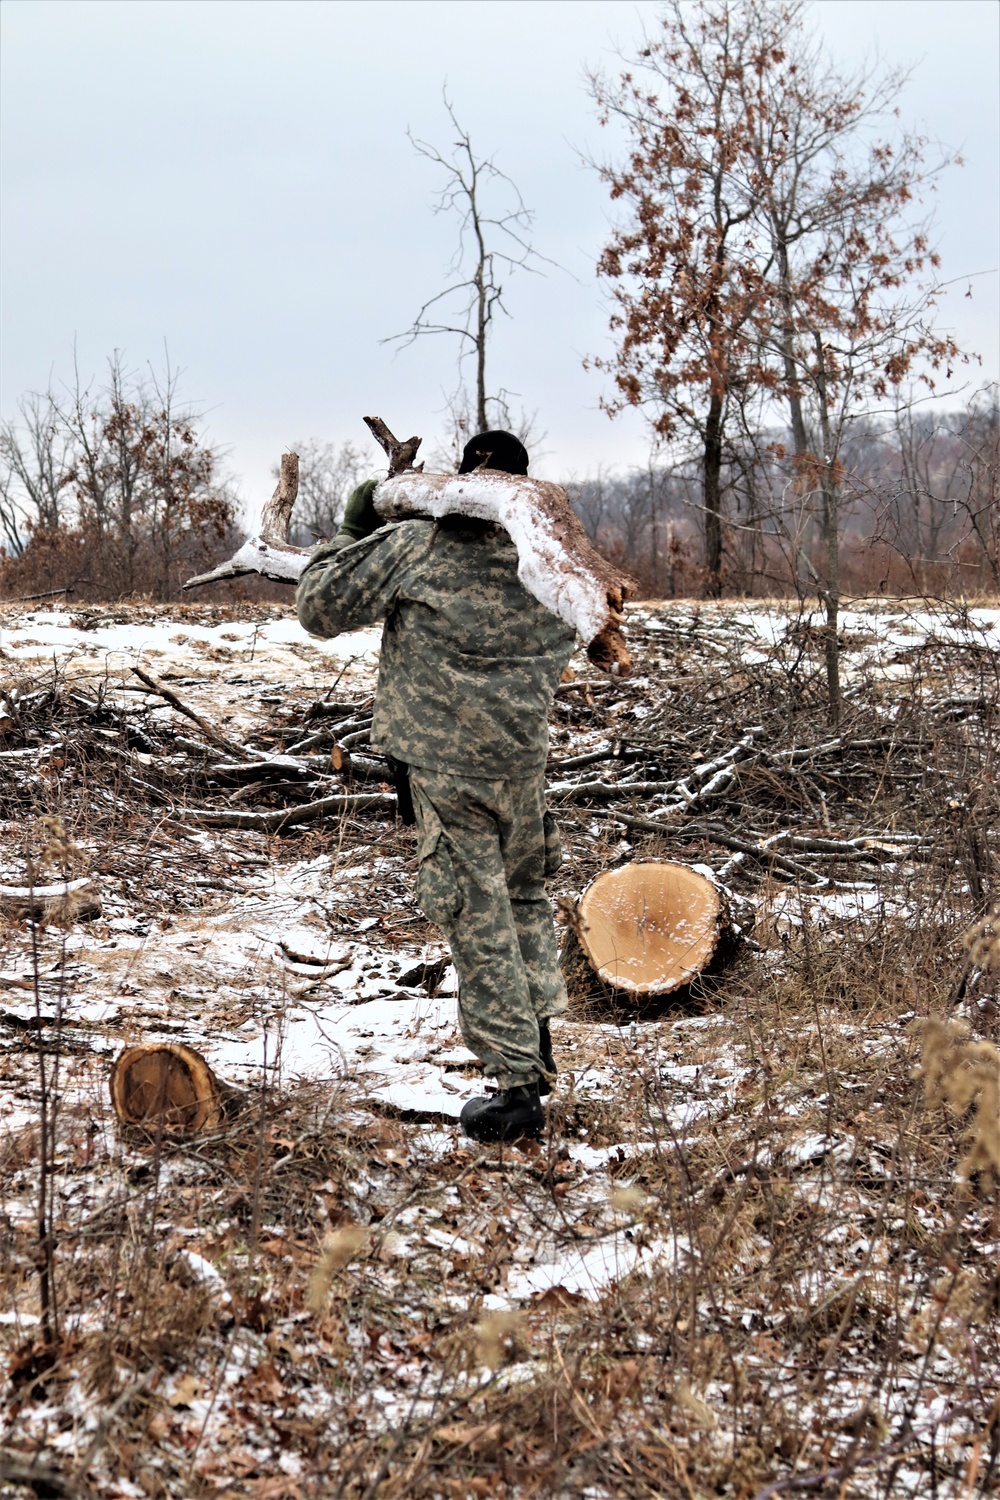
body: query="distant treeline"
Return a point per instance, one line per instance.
(113, 491)
(919, 512)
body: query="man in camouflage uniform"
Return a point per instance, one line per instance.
(469, 665)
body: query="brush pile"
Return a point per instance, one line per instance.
(713, 750)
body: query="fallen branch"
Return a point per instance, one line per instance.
(268, 551)
(603, 791)
(330, 733)
(556, 562)
(716, 776)
(274, 822)
(592, 757)
(31, 1474)
(718, 835)
(189, 713)
(30, 598)
(275, 767)
(72, 899)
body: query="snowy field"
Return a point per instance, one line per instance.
(741, 1259)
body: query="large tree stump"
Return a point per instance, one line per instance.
(165, 1085)
(645, 930)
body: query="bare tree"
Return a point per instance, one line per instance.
(111, 486)
(980, 481)
(492, 244)
(34, 461)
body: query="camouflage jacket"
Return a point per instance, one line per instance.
(469, 660)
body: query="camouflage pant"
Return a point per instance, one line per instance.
(485, 848)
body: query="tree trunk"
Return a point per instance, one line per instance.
(482, 319)
(831, 540)
(483, 425)
(800, 438)
(713, 495)
(831, 523)
(800, 441)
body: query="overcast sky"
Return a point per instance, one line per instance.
(234, 177)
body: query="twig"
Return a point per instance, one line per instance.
(38, 1478)
(46, 1164)
(797, 1483)
(101, 1431)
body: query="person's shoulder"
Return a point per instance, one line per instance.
(414, 528)
(411, 535)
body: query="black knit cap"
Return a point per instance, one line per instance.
(494, 450)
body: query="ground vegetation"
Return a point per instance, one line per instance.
(755, 1253)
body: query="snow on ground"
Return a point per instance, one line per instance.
(85, 649)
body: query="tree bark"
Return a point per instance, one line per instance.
(831, 542)
(713, 494)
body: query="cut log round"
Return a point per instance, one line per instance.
(169, 1083)
(649, 928)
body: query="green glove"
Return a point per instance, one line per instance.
(360, 515)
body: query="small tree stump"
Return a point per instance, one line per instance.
(166, 1085)
(645, 930)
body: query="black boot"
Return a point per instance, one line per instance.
(505, 1115)
(545, 1053)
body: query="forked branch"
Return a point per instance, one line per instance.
(400, 455)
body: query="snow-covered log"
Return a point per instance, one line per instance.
(556, 562)
(67, 900)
